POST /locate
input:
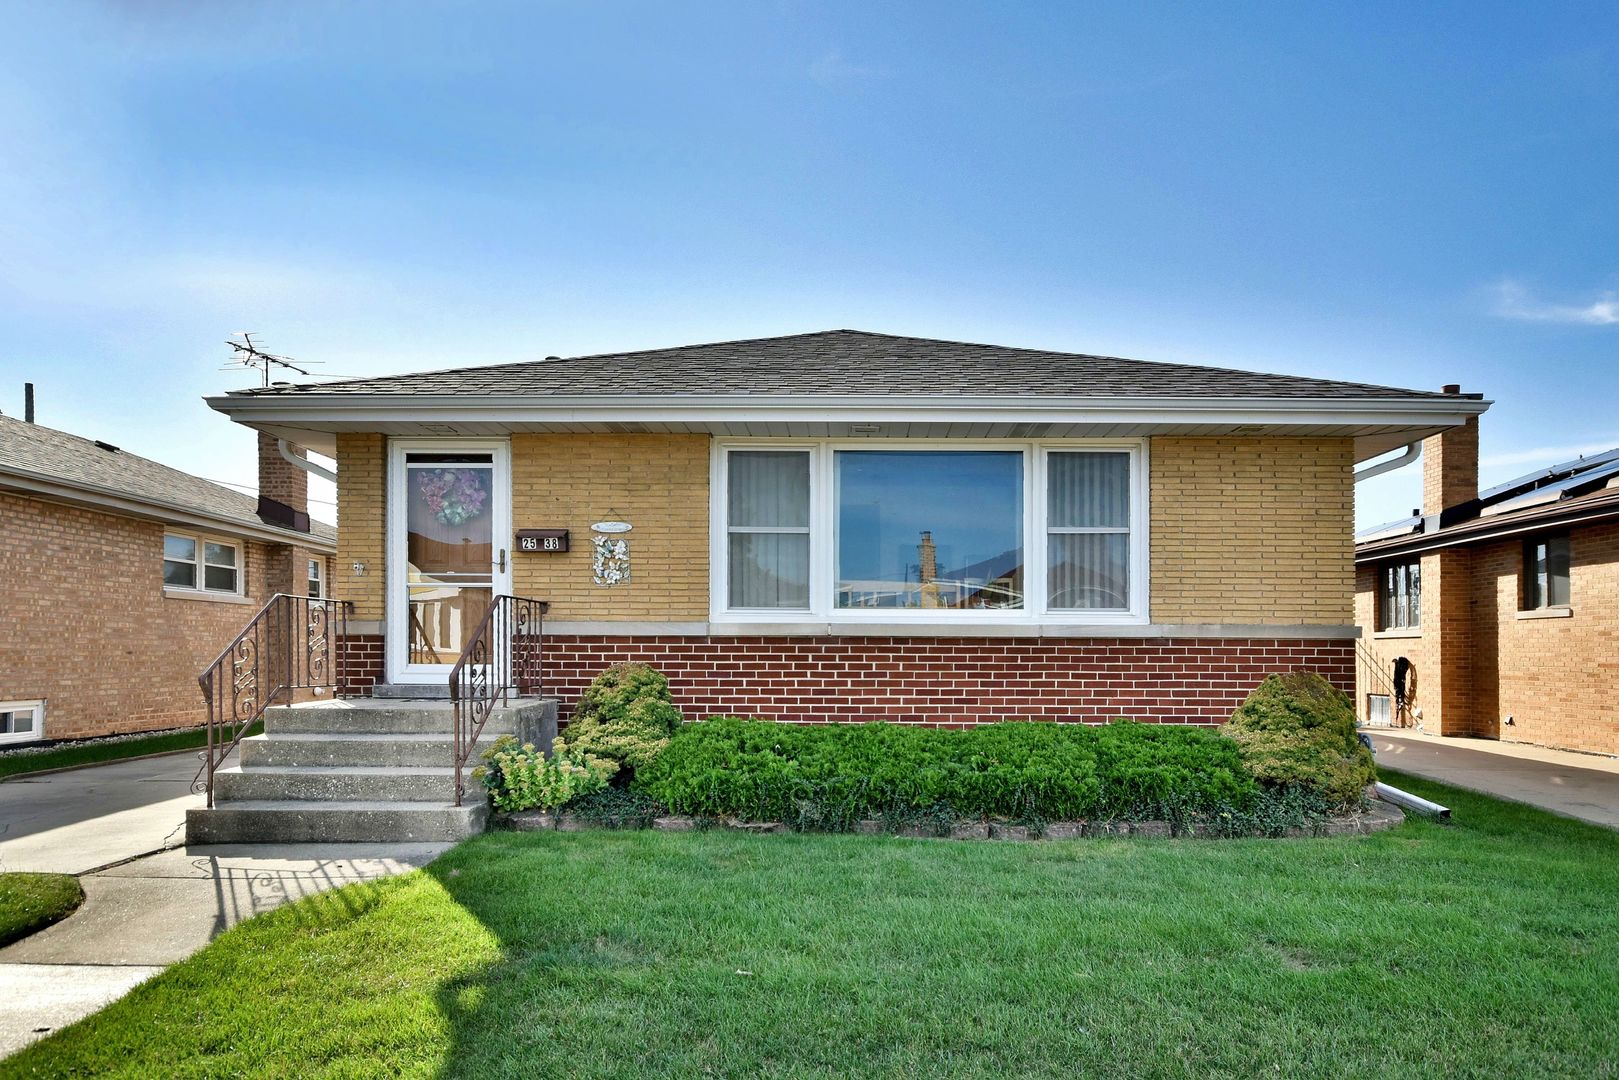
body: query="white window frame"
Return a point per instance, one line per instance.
(37, 707)
(823, 536)
(315, 571)
(202, 540)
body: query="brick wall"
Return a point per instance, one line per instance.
(1422, 649)
(1252, 530)
(950, 680)
(360, 664)
(89, 630)
(361, 522)
(1557, 678)
(658, 483)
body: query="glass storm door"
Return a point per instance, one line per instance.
(448, 559)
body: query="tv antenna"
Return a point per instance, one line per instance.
(249, 355)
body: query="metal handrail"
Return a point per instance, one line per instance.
(502, 655)
(288, 645)
(1379, 678)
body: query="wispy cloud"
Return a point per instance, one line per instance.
(1512, 300)
(834, 70)
(1546, 455)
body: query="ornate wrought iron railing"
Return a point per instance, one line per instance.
(502, 656)
(291, 644)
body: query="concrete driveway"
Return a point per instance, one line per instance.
(77, 821)
(149, 902)
(1582, 786)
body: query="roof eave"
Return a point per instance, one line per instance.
(534, 408)
(1473, 532)
(122, 503)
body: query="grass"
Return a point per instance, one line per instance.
(30, 902)
(1483, 948)
(101, 751)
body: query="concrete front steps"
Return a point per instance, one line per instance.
(360, 770)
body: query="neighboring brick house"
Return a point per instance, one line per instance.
(1102, 537)
(1503, 603)
(121, 579)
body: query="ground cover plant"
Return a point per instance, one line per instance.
(99, 751)
(1485, 948)
(30, 902)
(829, 777)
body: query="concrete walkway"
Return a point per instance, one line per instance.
(1582, 786)
(148, 903)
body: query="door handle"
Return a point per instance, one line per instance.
(502, 567)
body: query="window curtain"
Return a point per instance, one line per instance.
(768, 505)
(1088, 515)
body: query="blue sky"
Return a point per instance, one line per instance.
(1398, 193)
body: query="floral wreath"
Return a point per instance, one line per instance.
(453, 495)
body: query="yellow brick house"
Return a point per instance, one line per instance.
(856, 526)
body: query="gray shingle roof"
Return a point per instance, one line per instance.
(56, 456)
(848, 362)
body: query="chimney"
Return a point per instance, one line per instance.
(1450, 465)
(28, 402)
(283, 487)
(928, 570)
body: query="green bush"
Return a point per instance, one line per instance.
(1298, 731)
(522, 778)
(625, 715)
(830, 776)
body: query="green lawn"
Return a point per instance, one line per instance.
(96, 753)
(1486, 948)
(30, 902)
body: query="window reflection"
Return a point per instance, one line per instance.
(929, 529)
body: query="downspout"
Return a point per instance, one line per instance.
(1412, 451)
(311, 468)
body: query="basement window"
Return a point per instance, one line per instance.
(1545, 572)
(1400, 596)
(21, 721)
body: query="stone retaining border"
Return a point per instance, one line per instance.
(1378, 816)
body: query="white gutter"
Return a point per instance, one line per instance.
(1412, 452)
(153, 510)
(698, 408)
(305, 464)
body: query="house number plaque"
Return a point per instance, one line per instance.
(544, 541)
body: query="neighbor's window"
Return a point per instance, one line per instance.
(21, 721)
(845, 530)
(314, 579)
(1400, 590)
(1545, 572)
(769, 528)
(200, 564)
(1088, 531)
(929, 529)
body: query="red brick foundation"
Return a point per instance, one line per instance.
(359, 663)
(951, 681)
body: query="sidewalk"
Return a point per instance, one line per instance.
(1582, 786)
(148, 903)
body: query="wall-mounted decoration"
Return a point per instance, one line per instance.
(610, 553)
(546, 541)
(454, 496)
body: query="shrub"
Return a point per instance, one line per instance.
(1298, 731)
(522, 778)
(830, 776)
(625, 715)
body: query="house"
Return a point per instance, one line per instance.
(1502, 604)
(850, 526)
(121, 579)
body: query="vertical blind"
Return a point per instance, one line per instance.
(768, 503)
(1088, 524)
